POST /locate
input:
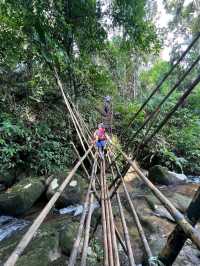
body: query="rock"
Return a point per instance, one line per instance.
(156, 243)
(2, 187)
(21, 197)
(160, 175)
(181, 202)
(181, 177)
(7, 178)
(45, 247)
(73, 193)
(161, 211)
(68, 236)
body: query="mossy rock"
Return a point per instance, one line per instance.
(74, 193)
(160, 175)
(152, 201)
(21, 197)
(7, 178)
(68, 236)
(180, 201)
(45, 248)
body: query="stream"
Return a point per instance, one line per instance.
(10, 225)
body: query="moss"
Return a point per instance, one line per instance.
(67, 237)
(44, 249)
(180, 201)
(152, 201)
(160, 175)
(22, 196)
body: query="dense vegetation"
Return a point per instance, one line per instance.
(97, 51)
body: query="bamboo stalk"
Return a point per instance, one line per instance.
(73, 255)
(113, 235)
(126, 234)
(109, 240)
(112, 224)
(87, 232)
(122, 243)
(138, 224)
(87, 174)
(73, 117)
(106, 263)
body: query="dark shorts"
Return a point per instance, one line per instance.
(100, 143)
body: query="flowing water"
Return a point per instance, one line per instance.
(9, 225)
(193, 179)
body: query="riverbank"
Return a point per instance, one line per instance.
(59, 230)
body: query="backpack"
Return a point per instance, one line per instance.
(101, 134)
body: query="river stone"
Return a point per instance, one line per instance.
(181, 202)
(181, 177)
(160, 175)
(73, 194)
(68, 236)
(44, 249)
(21, 197)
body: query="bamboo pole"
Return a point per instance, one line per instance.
(126, 234)
(76, 246)
(165, 77)
(113, 235)
(73, 117)
(38, 221)
(109, 240)
(136, 218)
(106, 263)
(87, 232)
(78, 155)
(177, 238)
(138, 224)
(121, 241)
(87, 174)
(80, 119)
(115, 249)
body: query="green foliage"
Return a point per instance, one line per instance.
(36, 148)
(137, 31)
(149, 79)
(177, 145)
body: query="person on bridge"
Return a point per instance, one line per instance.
(107, 105)
(100, 139)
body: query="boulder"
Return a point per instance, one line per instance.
(181, 202)
(7, 178)
(67, 237)
(2, 187)
(44, 249)
(51, 245)
(181, 177)
(160, 175)
(74, 193)
(21, 197)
